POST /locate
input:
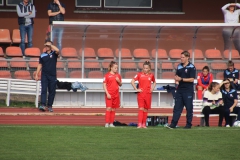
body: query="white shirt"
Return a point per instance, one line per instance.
(230, 17)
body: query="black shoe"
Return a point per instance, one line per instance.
(42, 108)
(187, 127)
(170, 126)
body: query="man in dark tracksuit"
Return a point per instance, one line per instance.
(47, 63)
(232, 74)
(184, 96)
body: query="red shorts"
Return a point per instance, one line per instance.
(114, 102)
(197, 87)
(144, 100)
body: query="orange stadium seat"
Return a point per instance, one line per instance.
(130, 74)
(3, 63)
(198, 54)
(105, 53)
(141, 53)
(235, 54)
(237, 66)
(16, 38)
(69, 52)
(14, 51)
(18, 62)
(88, 53)
(168, 75)
(219, 76)
(74, 63)
(175, 53)
(1, 52)
(162, 54)
(218, 65)
(60, 64)
(213, 54)
(76, 74)
(5, 36)
(61, 74)
(95, 74)
(166, 66)
(22, 75)
(199, 65)
(129, 65)
(32, 52)
(125, 53)
(33, 62)
(91, 64)
(5, 74)
(39, 74)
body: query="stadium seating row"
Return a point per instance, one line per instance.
(28, 75)
(140, 53)
(6, 38)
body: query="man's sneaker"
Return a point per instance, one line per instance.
(187, 127)
(42, 108)
(139, 125)
(50, 109)
(111, 125)
(144, 126)
(227, 125)
(170, 126)
(106, 125)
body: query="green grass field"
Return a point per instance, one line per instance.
(120, 143)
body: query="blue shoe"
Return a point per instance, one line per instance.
(50, 109)
(42, 108)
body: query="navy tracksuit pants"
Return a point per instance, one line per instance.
(48, 83)
(183, 99)
(236, 110)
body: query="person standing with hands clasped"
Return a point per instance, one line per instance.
(185, 75)
(26, 12)
(47, 63)
(111, 82)
(144, 95)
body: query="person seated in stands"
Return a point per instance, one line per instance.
(230, 99)
(213, 103)
(232, 74)
(203, 80)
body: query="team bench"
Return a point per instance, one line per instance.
(197, 112)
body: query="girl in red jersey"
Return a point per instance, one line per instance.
(145, 89)
(203, 80)
(111, 82)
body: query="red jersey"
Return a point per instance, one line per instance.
(144, 81)
(111, 83)
(204, 81)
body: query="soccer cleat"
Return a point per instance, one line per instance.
(227, 125)
(42, 108)
(139, 125)
(106, 125)
(50, 109)
(144, 126)
(111, 125)
(170, 126)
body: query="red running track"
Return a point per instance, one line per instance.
(42, 119)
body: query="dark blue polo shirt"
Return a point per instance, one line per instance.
(234, 74)
(189, 71)
(228, 97)
(49, 62)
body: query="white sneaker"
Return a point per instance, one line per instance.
(106, 125)
(23, 57)
(227, 125)
(111, 125)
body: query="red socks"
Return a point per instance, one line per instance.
(140, 116)
(112, 116)
(107, 116)
(145, 117)
(199, 94)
